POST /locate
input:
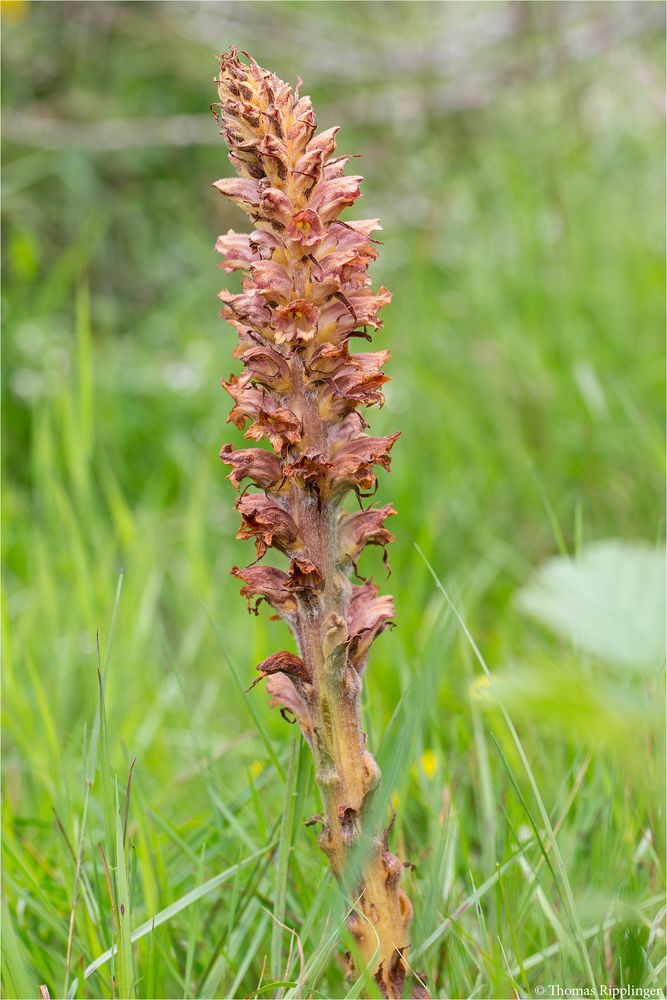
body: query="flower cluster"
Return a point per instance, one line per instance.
(304, 296)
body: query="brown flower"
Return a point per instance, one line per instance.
(310, 469)
(237, 251)
(270, 419)
(353, 461)
(304, 575)
(268, 367)
(295, 322)
(366, 528)
(268, 584)
(243, 192)
(369, 614)
(256, 464)
(275, 208)
(285, 663)
(332, 195)
(325, 361)
(356, 382)
(267, 523)
(285, 696)
(272, 280)
(248, 308)
(305, 228)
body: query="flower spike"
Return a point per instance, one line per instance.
(305, 294)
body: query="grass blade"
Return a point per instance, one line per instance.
(105, 778)
(177, 907)
(75, 893)
(565, 882)
(17, 980)
(285, 844)
(257, 719)
(124, 916)
(91, 763)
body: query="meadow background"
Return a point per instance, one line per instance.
(514, 152)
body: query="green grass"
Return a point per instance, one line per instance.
(523, 240)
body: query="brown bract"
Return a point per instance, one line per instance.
(305, 296)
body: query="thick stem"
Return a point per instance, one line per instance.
(346, 771)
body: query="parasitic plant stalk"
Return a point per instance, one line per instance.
(306, 293)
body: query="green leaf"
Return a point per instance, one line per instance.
(609, 601)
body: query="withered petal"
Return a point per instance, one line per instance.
(271, 280)
(304, 575)
(275, 206)
(356, 531)
(268, 367)
(310, 467)
(270, 419)
(353, 463)
(286, 663)
(237, 249)
(368, 616)
(261, 466)
(284, 694)
(268, 584)
(241, 190)
(332, 195)
(266, 522)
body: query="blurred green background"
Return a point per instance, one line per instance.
(514, 152)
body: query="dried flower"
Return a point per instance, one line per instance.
(305, 294)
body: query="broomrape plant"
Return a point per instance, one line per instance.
(306, 293)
